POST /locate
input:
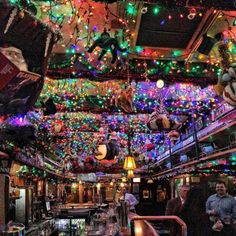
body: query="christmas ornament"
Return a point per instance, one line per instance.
(58, 126)
(124, 99)
(149, 147)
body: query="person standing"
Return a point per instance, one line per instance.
(130, 199)
(221, 208)
(193, 212)
(174, 207)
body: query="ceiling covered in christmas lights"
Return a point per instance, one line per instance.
(115, 64)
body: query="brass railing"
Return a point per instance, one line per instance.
(159, 218)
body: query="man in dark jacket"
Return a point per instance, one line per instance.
(174, 207)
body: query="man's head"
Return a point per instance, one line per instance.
(221, 188)
(124, 190)
(183, 190)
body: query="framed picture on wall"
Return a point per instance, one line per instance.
(146, 193)
(135, 187)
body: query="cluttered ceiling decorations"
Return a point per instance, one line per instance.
(89, 91)
(133, 22)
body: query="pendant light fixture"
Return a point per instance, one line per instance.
(129, 163)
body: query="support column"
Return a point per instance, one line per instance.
(2, 201)
(90, 195)
(94, 194)
(195, 138)
(81, 193)
(170, 153)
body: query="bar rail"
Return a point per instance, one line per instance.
(159, 218)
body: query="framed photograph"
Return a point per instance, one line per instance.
(146, 194)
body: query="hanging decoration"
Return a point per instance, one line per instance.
(226, 86)
(106, 42)
(124, 99)
(173, 136)
(229, 93)
(149, 147)
(49, 107)
(58, 126)
(107, 151)
(160, 119)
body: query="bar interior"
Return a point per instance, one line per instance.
(117, 118)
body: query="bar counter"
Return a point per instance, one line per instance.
(141, 227)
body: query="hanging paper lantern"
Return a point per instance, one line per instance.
(229, 93)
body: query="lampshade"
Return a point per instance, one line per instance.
(130, 174)
(129, 163)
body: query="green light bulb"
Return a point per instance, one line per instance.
(156, 10)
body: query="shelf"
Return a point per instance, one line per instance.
(217, 154)
(201, 138)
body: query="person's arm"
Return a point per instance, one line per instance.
(234, 208)
(169, 208)
(210, 211)
(133, 200)
(207, 206)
